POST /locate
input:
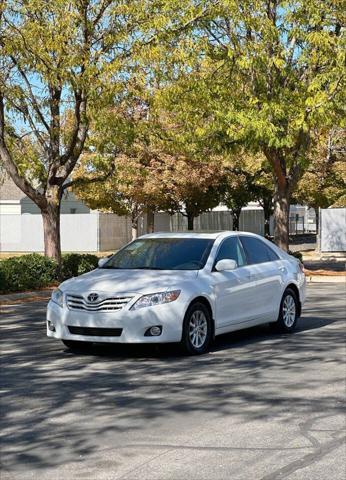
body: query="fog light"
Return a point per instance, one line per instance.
(153, 331)
(51, 326)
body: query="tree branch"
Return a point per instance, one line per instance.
(12, 168)
(81, 182)
(31, 94)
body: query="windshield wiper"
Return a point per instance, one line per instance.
(147, 268)
(132, 268)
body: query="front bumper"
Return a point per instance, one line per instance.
(133, 323)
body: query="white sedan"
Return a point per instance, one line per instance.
(179, 287)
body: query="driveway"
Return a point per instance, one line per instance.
(259, 406)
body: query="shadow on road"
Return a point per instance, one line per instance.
(56, 405)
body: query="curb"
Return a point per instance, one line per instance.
(326, 279)
(23, 297)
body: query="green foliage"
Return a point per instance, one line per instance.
(340, 203)
(27, 272)
(62, 62)
(261, 77)
(324, 182)
(74, 264)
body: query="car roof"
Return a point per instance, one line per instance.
(211, 235)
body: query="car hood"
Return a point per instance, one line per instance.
(127, 281)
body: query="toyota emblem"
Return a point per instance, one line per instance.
(93, 297)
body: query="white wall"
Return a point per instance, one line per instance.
(106, 231)
(24, 233)
(333, 230)
(251, 220)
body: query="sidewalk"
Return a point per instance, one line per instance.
(324, 267)
(325, 278)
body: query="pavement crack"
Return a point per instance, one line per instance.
(320, 450)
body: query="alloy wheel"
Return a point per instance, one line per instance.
(289, 311)
(198, 329)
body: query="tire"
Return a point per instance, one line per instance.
(197, 329)
(288, 315)
(77, 346)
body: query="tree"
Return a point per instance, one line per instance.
(60, 61)
(133, 189)
(193, 186)
(262, 76)
(263, 193)
(237, 192)
(324, 182)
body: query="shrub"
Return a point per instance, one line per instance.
(298, 255)
(27, 272)
(74, 264)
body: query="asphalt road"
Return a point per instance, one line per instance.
(259, 406)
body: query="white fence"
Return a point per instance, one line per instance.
(333, 230)
(96, 231)
(91, 232)
(24, 233)
(251, 220)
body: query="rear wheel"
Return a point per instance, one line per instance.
(77, 346)
(288, 315)
(197, 329)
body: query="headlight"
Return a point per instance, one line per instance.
(58, 297)
(156, 299)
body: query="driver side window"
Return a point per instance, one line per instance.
(231, 249)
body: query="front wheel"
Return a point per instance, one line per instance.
(77, 346)
(288, 315)
(197, 329)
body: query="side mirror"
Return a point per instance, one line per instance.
(225, 265)
(102, 261)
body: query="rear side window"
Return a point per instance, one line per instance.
(257, 251)
(231, 249)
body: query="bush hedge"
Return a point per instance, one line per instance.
(74, 264)
(31, 271)
(27, 272)
(298, 255)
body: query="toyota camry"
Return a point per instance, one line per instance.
(179, 287)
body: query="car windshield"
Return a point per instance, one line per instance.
(163, 254)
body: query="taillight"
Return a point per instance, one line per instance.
(301, 266)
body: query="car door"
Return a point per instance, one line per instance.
(265, 270)
(234, 290)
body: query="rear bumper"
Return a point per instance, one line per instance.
(132, 325)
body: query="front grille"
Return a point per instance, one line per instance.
(77, 302)
(95, 332)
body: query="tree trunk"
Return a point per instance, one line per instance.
(190, 219)
(235, 219)
(51, 230)
(266, 202)
(317, 213)
(134, 225)
(281, 216)
(150, 221)
(134, 231)
(267, 212)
